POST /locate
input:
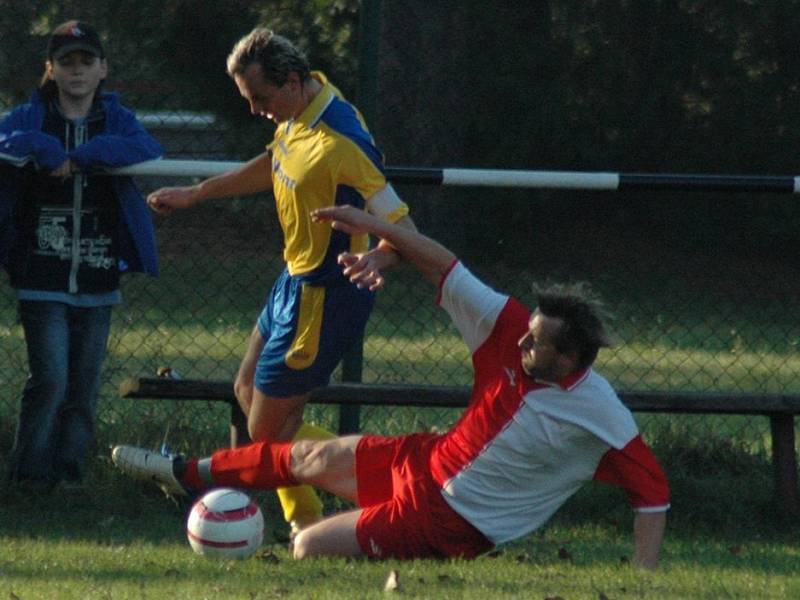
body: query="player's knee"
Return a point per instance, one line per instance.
(303, 545)
(306, 458)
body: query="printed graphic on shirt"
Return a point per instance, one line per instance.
(54, 238)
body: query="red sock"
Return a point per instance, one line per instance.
(262, 465)
(191, 477)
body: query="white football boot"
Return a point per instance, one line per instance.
(147, 465)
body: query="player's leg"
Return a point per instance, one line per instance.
(307, 329)
(301, 505)
(329, 464)
(273, 419)
(243, 384)
(333, 536)
(282, 377)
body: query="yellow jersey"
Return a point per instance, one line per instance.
(324, 157)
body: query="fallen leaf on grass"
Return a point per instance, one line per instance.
(392, 582)
(268, 556)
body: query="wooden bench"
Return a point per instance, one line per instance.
(778, 407)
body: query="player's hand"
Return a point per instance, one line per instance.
(364, 269)
(167, 199)
(348, 219)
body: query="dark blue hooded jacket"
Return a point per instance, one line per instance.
(124, 142)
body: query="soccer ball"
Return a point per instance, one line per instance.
(225, 523)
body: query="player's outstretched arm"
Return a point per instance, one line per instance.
(648, 533)
(429, 256)
(252, 177)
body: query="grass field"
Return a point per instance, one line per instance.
(115, 539)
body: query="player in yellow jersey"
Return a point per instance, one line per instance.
(322, 155)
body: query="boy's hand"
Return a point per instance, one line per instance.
(64, 170)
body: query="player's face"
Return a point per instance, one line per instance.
(276, 103)
(540, 359)
(78, 74)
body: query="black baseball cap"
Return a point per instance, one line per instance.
(71, 36)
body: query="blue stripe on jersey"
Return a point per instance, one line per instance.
(329, 269)
(342, 118)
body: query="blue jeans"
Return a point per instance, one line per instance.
(66, 347)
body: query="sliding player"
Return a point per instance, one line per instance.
(540, 423)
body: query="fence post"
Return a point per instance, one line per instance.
(784, 461)
(368, 35)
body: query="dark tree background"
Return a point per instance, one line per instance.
(657, 86)
(619, 85)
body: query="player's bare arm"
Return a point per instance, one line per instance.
(648, 533)
(429, 256)
(252, 177)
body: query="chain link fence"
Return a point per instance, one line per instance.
(703, 322)
(689, 313)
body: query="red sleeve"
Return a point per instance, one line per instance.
(636, 470)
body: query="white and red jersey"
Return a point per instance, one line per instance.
(523, 446)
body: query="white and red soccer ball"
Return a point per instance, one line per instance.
(225, 523)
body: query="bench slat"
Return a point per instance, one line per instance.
(458, 396)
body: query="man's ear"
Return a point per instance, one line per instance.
(567, 362)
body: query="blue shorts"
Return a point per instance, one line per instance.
(307, 329)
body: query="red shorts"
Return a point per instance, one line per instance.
(404, 514)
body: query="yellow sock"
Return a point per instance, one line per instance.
(301, 503)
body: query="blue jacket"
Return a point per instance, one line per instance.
(124, 142)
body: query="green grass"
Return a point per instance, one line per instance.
(115, 539)
(141, 569)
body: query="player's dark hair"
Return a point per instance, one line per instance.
(579, 309)
(277, 56)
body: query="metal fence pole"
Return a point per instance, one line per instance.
(368, 34)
